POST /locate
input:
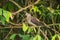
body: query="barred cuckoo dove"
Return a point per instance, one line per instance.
(32, 20)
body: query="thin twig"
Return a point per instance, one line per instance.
(15, 3)
(49, 27)
(53, 21)
(53, 24)
(8, 33)
(15, 23)
(21, 7)
(44, 34)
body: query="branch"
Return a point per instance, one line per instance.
(10, 27)
(53, 24)
(44, 34)
(49, 27)
(15, 3)
(21, 7)
(8, 33)
(15, 24)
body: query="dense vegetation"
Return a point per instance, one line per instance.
(14, 26)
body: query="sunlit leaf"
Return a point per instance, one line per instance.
(59, 37)
(25, 27)
(7, 15)
(37, 37)
(53, 38)
(56, 37)
(59, 25)
(34, 8)
(50, 9)
(12, 36)
(29, 30)
(34, 29)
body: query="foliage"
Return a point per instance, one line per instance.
(56, 37)
(12, 17)
(37, 37)
(4, 15)
(13, 36)
(25, 27)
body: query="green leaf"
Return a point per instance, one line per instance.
(29, 30)
(53, 37)
(40, 12)
(12, 36)
(7, 15)
(59, 25)
(26, 37)
(25, 27)
(3, 20)
(56, 36)
(58, 12)
(50, 9)
(0, 11)
(20, 35)
(34, 29)
(37, 37)
(11, 7)
(59, 37)
(31, 38)
(34, 8)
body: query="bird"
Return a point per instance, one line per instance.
(32, 20)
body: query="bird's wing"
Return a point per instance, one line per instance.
(36, 22)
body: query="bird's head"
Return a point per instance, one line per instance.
(27, 14)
